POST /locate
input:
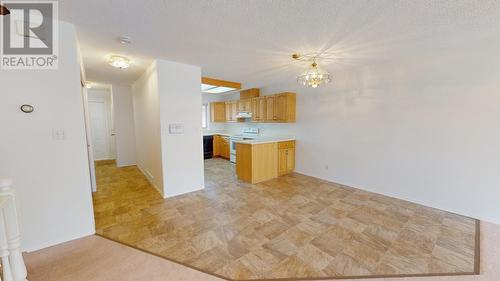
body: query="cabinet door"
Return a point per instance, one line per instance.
(225, 147)
(280, 108)
(228, 111)
(282, 161)
(216, 145)
(218, 113)
(270, 115)
(244, 105)
(290, 159)
(262, 109)
(255, 110)
(234, 110)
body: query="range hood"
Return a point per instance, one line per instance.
(244, 115)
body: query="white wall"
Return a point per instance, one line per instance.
(104, 95)
(169, 93)
(180, 103)
(51, 177)
(146, 103)
(424, 129)
(123, 111)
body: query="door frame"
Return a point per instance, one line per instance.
(88, 135)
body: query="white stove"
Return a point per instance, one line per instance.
(246, 134)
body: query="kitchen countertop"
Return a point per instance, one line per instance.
(216, 133)
(261, 140)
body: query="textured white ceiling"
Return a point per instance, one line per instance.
(251, 41)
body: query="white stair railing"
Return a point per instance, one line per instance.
(13, 266)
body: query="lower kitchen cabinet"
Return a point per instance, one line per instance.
(256, 162)
(286, 157)
(221, 146)
(224, 147)
(264, 161)
(217, 146)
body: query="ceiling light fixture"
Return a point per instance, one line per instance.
(313, 76)
(88, 85)
(119, 61)
(125, 40)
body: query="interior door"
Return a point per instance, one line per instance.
(99, 130)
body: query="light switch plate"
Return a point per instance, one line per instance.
(58, 134)
(176, 128)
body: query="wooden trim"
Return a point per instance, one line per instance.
(220, 83)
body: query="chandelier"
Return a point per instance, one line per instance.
(313, 76)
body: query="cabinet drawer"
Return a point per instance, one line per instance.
(286, 144)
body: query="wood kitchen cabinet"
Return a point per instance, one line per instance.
(286, 157)
(221, 146)
(224, 147)
(270, 112)
(245, 105)
(284, 107)
(259, 109)
(218, 112)
(277, 108)
(231, 110)
(256, 162)
(217, 145)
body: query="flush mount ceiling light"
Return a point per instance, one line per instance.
(215, 86)
(313, 76)
(125, 40)
(120, 62)
(88, 85)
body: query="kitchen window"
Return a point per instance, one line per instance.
(204, 116)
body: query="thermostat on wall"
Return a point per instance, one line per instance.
(176, 128)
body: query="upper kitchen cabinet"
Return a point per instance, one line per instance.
(280, 108)
(284, 107)
(218, 111)
(259, 107)
(231, 110)
(245, 105)
(277, 108)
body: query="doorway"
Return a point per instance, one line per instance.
(101, 124)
